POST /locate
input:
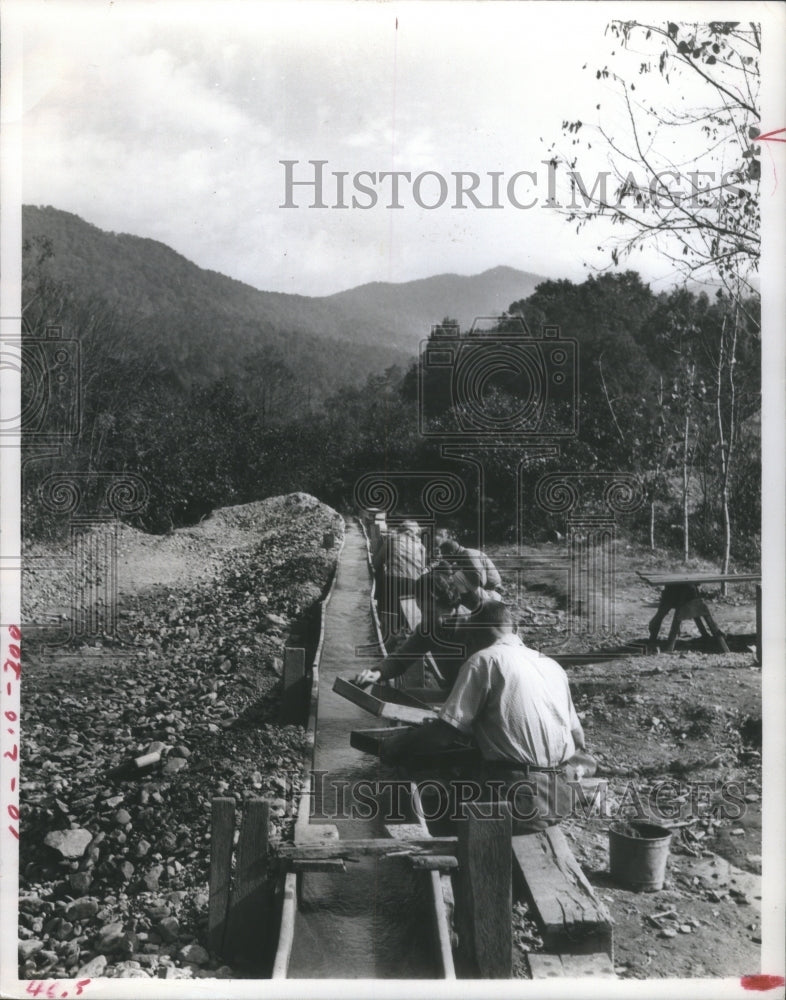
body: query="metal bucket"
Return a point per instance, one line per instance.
(638, 859)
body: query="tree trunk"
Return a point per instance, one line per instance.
(686, 465)
(726, 440)
(652, 525)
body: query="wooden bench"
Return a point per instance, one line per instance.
(681, 594)
(575, 925)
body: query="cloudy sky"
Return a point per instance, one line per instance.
(170, 120)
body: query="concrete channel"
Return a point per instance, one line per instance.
(374, 920)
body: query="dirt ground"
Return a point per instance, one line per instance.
(684, 731)
(205, 613)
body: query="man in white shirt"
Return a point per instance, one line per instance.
(517, 706)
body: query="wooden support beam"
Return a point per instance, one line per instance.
(484, 895)
(374, 847)
(570, 917)
(758, 623)
(248, 917)
(434, 862)
(287, 932)
(222, 831)
(293, 696)
(324, 865)
(598, 966)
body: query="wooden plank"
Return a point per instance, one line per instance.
(372, 740)
(325, 865)
(442, 917)
(406, 831)
(434, 862)
(403, 713)
(597, 965)
(293, 694)
(483, 884)
(665, 579)
(248, 917)
(372, 847)
(569, 915)
(383, 710)
(287, 933)
(758, 624)
(222, 831)
(427, 696)
(396, 696)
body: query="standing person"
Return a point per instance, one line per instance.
(517, 706)
(400, 561)
(476, 575)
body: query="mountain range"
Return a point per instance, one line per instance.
(203, 325)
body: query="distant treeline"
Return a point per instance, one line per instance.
(668, 389)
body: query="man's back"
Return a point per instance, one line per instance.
(405, 556)
(516, 703)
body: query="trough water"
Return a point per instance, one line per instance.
(373, 921)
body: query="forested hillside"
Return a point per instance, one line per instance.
(202, 394)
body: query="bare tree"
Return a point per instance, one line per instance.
(710, 73)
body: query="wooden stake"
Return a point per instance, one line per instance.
(758, 623)
(293, 695)
(222, 832)
(483, 884)
(247, 920)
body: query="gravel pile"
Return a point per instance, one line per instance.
(114, 870)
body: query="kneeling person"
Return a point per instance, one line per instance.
(517, 706)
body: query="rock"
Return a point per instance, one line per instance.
(142, 848)
(69, 843)
(168, 928)
(82, 909)
(668, 932)
(126, 870)
(110, 937)
(157, 910)
(194, 954)
(30, 947)
(80, 881)
(122, 816)
(151, 878)
(174, 764)
(686, 929)
(92, 969)
(181, 751)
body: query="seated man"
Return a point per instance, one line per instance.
(517, 706)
